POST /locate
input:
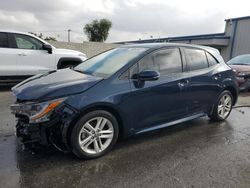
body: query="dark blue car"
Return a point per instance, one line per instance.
(121, 92)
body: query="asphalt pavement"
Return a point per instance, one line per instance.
(197, 153)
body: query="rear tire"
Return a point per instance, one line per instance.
(94, 134)
(222, 107)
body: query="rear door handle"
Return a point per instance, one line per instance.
(22, 54)
(183, 83)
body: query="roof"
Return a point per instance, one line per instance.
(165, 44)
(182, 38)
(13, 31)
(238, 18)
(154, 46)
(24, 33)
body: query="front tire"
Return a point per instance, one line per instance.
(94, 134)
(223, 106)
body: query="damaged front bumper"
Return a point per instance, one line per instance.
(53, 132)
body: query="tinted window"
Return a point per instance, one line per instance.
(27, 42)
(148, 63)
(164, 61)
(211, 60)
(4, 40)
(168, 61)
(196, 59)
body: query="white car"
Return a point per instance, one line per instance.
(23, 55)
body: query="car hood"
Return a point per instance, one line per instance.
(68, 51)
(54, 84)
(241, 68)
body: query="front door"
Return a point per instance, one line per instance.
(156, 102)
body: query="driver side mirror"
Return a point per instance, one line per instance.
(48, 48)
(148, 75)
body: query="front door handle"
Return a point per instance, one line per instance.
(22, 54)
(183, 83)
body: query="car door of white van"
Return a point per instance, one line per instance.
(31, 58)
(8, 58)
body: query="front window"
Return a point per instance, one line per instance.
(240, 60)
(27, 42)
(165, 61)
(109, 62)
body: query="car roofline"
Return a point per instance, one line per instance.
(166, 44)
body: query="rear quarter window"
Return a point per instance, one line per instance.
(196, 59)
(211, 60)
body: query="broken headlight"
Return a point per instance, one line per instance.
(36, 112)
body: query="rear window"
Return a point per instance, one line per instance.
(196, 59)
(4, 40)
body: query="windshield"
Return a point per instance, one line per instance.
(109, 62)
(240, 60)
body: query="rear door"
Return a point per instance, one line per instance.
(7, 57)
(154, 102)
(31, 58)
(203, 83)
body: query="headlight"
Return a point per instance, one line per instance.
(36, 112)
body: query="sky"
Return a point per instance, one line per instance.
(131, 19)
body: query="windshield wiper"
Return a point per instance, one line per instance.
(78, 70)
(83, 72)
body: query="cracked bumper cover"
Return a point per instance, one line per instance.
(52, 132)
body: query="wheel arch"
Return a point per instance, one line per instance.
(103, 106)
(234, 93)
(231, 85)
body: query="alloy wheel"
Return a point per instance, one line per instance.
(224, 106)
(96, 135)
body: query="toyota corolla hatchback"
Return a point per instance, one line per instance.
(121, 92)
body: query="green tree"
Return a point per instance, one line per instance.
(98, 31)
(40, 35)
(50, 39)
(46, 38)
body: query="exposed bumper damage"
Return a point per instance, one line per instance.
(54, 132)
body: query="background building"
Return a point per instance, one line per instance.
(233, 42)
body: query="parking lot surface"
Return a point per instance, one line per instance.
(198, 153)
